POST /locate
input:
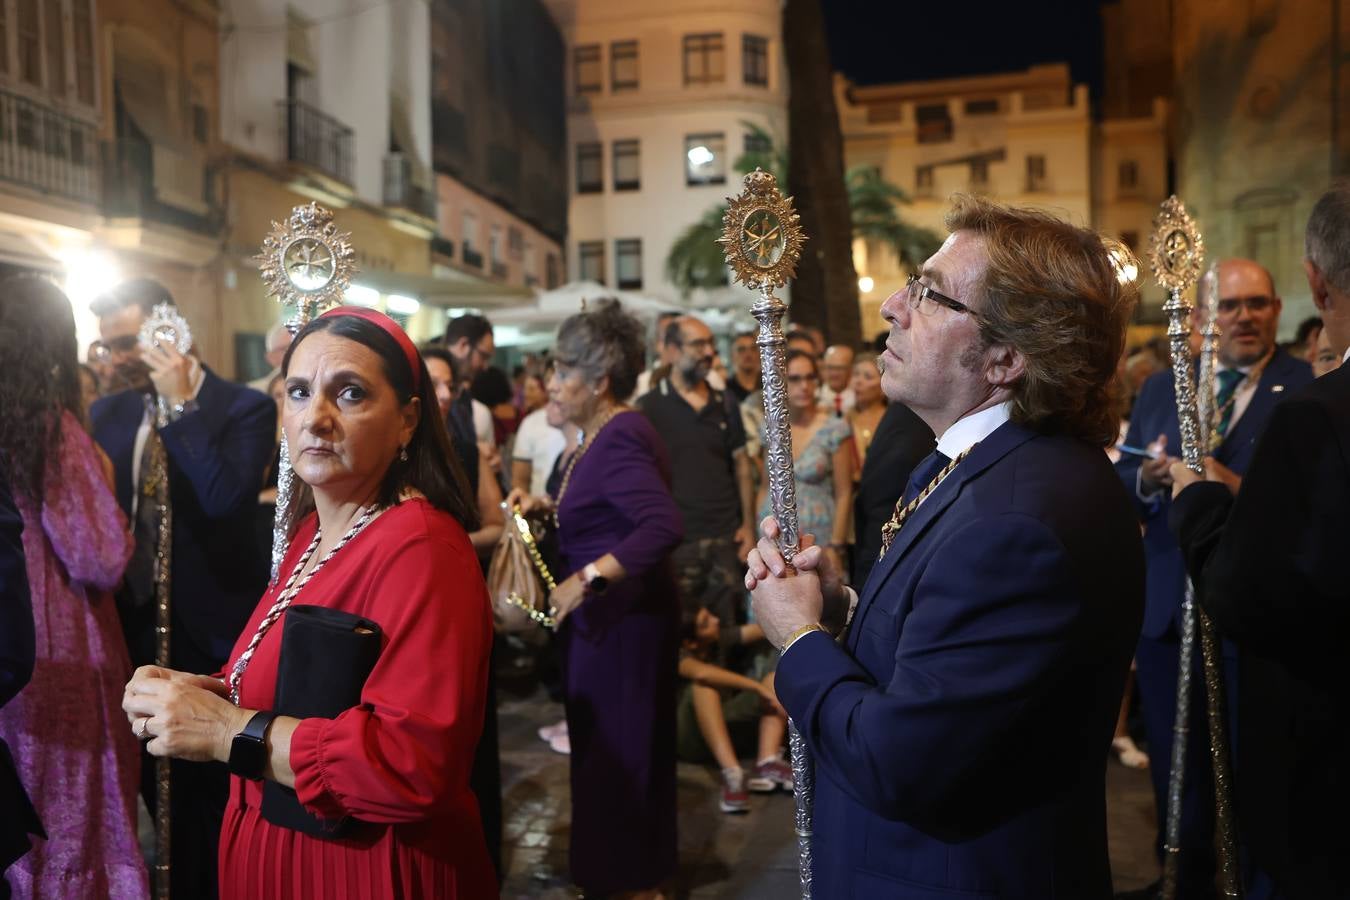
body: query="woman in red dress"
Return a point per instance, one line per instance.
(380, 531)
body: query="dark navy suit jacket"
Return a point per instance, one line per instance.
(217, 457)
(1155, 413)
(961, 733)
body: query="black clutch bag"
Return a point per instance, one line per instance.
(326, 656)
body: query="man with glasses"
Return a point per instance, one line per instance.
(1252, 377)
(960, 728)
(219, 440)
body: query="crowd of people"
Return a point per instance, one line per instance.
(991, 579)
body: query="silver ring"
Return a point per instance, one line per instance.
(143, 734)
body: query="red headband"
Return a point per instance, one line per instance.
(391, 328)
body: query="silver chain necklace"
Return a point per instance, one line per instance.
(289, 592)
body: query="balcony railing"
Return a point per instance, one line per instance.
(472, 257)
(400, 190)
(150, 180)
(316, 139)
(47, 151)
(499, 270)
(443, 247)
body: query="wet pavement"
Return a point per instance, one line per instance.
(730, 857)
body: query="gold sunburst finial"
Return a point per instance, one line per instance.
(307, 261)
(761, 233)
(1176, 250)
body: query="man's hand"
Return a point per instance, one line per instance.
(1155, 474)
(1182, 478)
(784, 602)
(170, 372)
(745, 540)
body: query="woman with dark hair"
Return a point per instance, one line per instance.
(82, 768)
(616, 609)
(378, 530)
(492, 388)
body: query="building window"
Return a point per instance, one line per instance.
(1036, 172)
(627, 166)
(623, 66)
(755, 59)
(628, 263)
(979, 173)
(83, 23)
(201, 124)
(592, 261)
(495, 245)
(590, 178)
(468, 239)
(552, 277)
(588, 72)
(705, 159)
(935, 123)
(703, 59)
(30, 46)
(56, 49)
(984, 107)
(1127, 176)
(923, 181)
(528, 264)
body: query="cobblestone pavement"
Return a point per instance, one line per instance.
(741, 857)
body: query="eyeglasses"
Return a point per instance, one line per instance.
(802, 379)
(123, 344)
(1228, 306)
(925, 300)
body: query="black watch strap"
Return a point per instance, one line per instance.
(248, 750)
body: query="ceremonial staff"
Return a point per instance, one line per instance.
(1177, 251)
(168, 328)
(763, 241)
(306, 263)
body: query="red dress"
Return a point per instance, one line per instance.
(400, 761)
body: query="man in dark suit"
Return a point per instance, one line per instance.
(1252, 377)
(218, 440)
(1269, 568)
(901, 442)
(19, 820)
(960, 731)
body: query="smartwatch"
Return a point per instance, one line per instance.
(248, 750)
(594, 581)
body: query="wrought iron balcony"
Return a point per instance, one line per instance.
(472, 257)
(401, 191)
(47, 151)
(317, 140)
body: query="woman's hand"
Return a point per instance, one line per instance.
(527, 502)
(771, 698)
(565, 598)
(181, 715)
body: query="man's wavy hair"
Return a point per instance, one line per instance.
(1062, 296)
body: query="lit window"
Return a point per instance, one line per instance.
(705, 159)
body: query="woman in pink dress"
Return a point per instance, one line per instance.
(65, 729)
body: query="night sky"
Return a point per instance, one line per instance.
(879, 41)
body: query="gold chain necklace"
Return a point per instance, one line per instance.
(898, 518)
(576, 458)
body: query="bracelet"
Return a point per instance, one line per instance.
(800, 633)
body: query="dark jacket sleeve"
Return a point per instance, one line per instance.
(1271, 572)
(16, 611)
(1150, 396)
(636, 484)
(225, 465)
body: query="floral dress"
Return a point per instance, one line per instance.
(814, 470)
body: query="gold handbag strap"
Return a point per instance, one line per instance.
(527, 536)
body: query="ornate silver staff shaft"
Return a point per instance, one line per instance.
(763, 241)
(163, 626)
(1177, 252)
(305, 262)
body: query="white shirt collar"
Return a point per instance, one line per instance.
(1346, 355)
(972, 429)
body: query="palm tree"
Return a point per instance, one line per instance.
(695, 259)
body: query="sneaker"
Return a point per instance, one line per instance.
(549, 732)
(776, 773)
(734, 797)
(759, 781)
(561, 744)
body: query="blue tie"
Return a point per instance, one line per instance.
(923, 473)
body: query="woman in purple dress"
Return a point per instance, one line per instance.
(617, 612)
(74, 753)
